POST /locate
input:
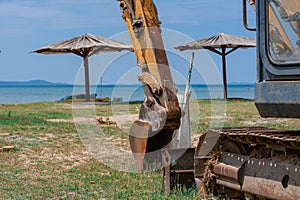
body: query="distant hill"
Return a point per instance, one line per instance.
(30, 83)
(240, 83)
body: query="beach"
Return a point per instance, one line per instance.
(93, 101)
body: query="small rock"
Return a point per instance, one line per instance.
(7, 148)
(4, 134)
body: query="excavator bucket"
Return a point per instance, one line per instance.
(138, 137)
(146, 145)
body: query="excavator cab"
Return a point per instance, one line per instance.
(277, 92)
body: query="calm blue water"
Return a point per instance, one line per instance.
(26, 94)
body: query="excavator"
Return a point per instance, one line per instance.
(244, 162)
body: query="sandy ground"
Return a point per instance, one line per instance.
(124, 122)
(119, 120)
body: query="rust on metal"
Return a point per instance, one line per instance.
(266, 166)
(166, 161)
(183, 171)
(230, 184)
(180, 169)
(271, 179)
(227, 171)
(138, 141)
(147, 79)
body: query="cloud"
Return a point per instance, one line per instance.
(26, 10)
(55, 15)
(70, 14)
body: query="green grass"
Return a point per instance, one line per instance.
(50, 160)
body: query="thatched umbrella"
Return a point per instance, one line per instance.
(220, 41)
(85, 45)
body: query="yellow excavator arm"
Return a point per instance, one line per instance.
(160, 113)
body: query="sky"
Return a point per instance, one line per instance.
(30, 24)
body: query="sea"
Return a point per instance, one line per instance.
(126, 93)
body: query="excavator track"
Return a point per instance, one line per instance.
(260, 135)
(249, 163)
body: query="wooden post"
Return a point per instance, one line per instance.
(166, 161)
(224, 72)
(87, 78)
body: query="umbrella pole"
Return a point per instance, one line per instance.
(224, 72)
(87, 78)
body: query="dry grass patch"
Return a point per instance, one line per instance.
(49, 160)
